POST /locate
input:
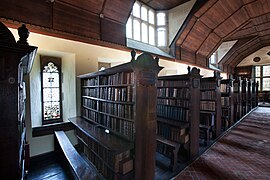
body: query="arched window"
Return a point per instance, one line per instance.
(51, 89)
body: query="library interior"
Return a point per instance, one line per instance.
(134, 89)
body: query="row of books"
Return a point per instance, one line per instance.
(111, 158)
(172, 133)
(90, 82)
(172, 112)
(225, 101)
(208, 85)
(120, 110)
(118, 78)
(174, 102)
(176, 83)
(89, 103)
(208, 106)
(92, 92)
(102, 166)
(225, 88)
(117, 94)
(120, 126)
(208, 95)
(173, 92)
(92, 115)
(225, 113)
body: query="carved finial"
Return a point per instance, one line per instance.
(188, 68)
(133, 54)
(195, 71)
(216, 74)
(157, 59)
(24, 34)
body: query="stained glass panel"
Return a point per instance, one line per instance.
(51, 92)
(51, 110)
(50, 79)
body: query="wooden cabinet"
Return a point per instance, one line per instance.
(16, 60)
(117, 127)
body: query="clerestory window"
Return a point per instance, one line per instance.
(147, 26)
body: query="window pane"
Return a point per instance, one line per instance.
(161, 36)
(213, 58)
(144, 33)
(136, 10)
(137, 30)
(161, 19)
(144, 13)
(152, 35)
(129, 28)
(151, 17)
(266, 70)
(50, 80)
(259, 83)
(51, 110)
(258, 71)
(266, 84)
(51, 94)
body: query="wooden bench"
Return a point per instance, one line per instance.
(173, 148)
(80, 168)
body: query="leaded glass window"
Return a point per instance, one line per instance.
(51, 89)
(262, 75)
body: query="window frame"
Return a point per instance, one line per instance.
(261, 77)
(44, 60)
(149, 24)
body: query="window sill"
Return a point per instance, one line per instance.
(50, 128)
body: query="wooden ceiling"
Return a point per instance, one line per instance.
(218, 21)
(103, 22)
(163, 4)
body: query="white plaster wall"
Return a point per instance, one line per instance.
(177, 16)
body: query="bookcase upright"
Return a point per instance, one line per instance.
(16, 60)
(210, 106)
(177, 113)
(227, 104)
(237, 98)
(245, 96)
(117, 127)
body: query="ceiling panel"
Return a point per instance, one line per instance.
(118, 10)
(94, 6)
(196, 36)
(163, 4)
(209, 44)
(73, 20)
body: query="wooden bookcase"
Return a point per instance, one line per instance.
(117, 127)
(210, 107)
(237, 98)
(244, 100)
(227, 104)
(253, 94)
(177, 113)
(16, 60)
(249, 95)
